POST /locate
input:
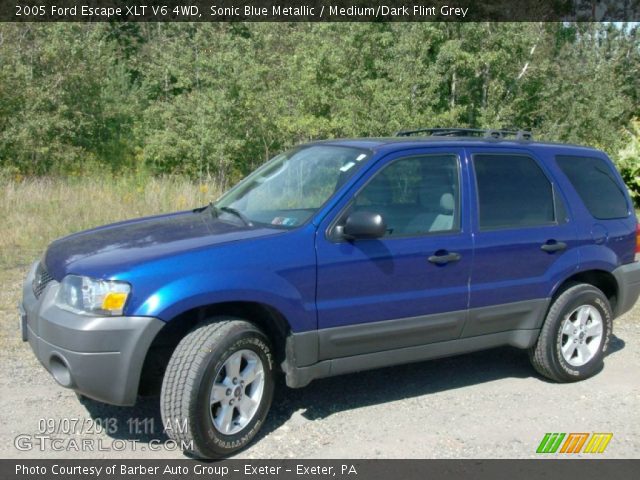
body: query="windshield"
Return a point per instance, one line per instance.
(290, 188)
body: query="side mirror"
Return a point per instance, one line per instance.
(361, 225)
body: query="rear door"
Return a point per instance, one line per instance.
(524, 240)
(410, 287)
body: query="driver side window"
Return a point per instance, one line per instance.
(415, 195)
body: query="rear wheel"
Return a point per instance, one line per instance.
(575, 335)
(219, 385)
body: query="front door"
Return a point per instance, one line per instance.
(410, 287)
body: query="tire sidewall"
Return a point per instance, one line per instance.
(585, 296)
(209, 441)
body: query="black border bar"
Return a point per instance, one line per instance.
(319, 10)
(584, 469)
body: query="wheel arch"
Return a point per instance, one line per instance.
(266, 317)
(601, 279)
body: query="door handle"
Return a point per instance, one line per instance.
(553, 246)
(445, 258)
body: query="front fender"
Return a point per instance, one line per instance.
(201, 289)
(278, 271)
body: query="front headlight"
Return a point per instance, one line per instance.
(86, 295)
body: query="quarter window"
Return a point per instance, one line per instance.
(416, 195)
(597, 186)
(512, 192)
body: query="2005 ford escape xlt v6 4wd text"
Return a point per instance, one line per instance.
(336, 257)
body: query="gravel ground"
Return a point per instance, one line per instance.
(484, 405)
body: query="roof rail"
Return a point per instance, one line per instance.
(520, 135)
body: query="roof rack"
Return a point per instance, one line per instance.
(520, 135)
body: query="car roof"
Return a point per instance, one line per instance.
(393, 143)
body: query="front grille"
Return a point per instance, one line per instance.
(41, 280)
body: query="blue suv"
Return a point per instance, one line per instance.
(335, 257)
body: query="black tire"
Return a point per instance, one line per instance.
(546, 355)
(189, 378)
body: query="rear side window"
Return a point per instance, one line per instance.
(512, 192)
(597, 186)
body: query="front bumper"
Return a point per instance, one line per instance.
(628, 278)
(100, 357)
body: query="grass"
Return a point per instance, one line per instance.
(36, 211)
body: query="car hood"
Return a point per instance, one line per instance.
(117, 247)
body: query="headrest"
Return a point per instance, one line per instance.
(447, 203)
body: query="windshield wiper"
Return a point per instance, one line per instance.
(202, 209)
(233, 212)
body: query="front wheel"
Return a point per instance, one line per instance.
(575, 335)
(218, 387)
